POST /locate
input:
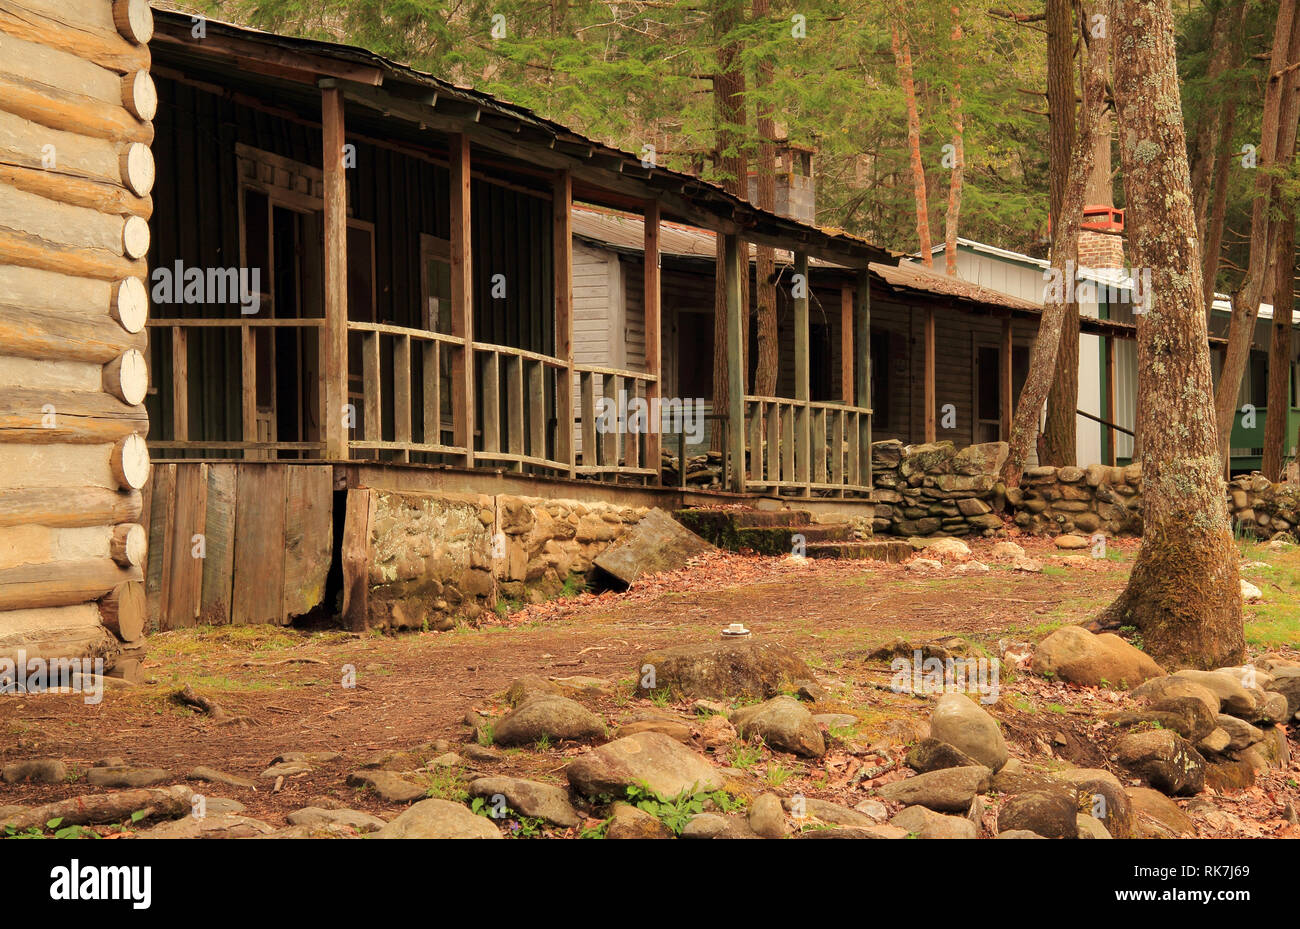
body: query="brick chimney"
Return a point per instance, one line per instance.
(795, 188)
(1100, 245)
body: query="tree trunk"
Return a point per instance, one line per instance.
(1065, 238)
(1227, 17)
(765, 374)
(1278, 109)
(1059, 429)
(729, 107)
(959, 160)
(1279, 353)
(903, 58)
(1219, 207)
(1183, 594)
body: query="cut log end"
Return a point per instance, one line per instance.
(130, 462)
(139, 95)
(134, 20)
(123, 610)
(138, 169)
(135, 237)
(129, 545)
(127, 377)
(131, 304)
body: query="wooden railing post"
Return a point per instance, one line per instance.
(562, 242)
(462, 297)
(732, 255)
(802, 388)
(863, 437)
(653, 341)
(1004, 381)
(847, 384)
(335, 337)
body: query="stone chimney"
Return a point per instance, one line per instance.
(795, 188)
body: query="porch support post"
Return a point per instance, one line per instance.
(802, 387)
(863, 327)
(846, 344)
(462, 297)
(654, 342)
(930, 399)
(562, 243)
(1111, 413)
(335, 341)
(736, 362)
(1007, 399)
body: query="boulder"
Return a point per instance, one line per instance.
(948, 790)
(1155, 816)
(959, 721)
(220, 826)
(1187, 716)
(948, 550)
(1102, 796)
(1051, 814)
(1019, 834)
(387, 786)
(1070, 541)
(927, 824)
(213, 776)
(1074, 654)
(648, 759)
(1286, 681)
(551, 717)
(722, 670)
(1007, 551)
(1241, 734)
(529, 798)
(439, 819)
(767, 818)
(354, 819)
(531, 685)
(783, 723)
(631, 822)
(717, 826)
(1216, 742)
(35, 771)
(1165, 759)
(1090, 827)
(126, 777)
(832, 813)
(1163, 688)
(1233, 698)
(933, 755)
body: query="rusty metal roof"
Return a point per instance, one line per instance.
(919, 278)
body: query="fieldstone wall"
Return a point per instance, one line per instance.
(436, 559)
(936, 489)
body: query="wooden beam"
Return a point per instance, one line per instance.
(562, 240)
(68, 507)
(1007, 398)
(863, 366)
(929, 390)
(846, 344)
(462, 297)
(732, 261)
(48, 415)
(654, 338)
(180, 384)
(335, 341)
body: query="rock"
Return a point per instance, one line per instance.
(1070, 541)
(286, 769)
(1273, 747)
(1101, 795)
(439, 819)
(960, 722)
(126, 777)
(650, 759)
(1233, 698)
(1090, 827)
(948, 550)
(1028, 565)
(215, 806)
(1051, 814)
(933, 755)
(1007, 551)
(783, 723)
(1270, 709)
(927, 824)
(531, 685)
(946, 790)
(704, 707)
(853, 832)
(827, 812)
(810, 691)
(309, 757)
(550, 717)
(1216, 742)
(1286, 682)
(630, 822)
(1155, 816)
(1229, 775)
(354, 819)
(835, 720)
(1019, 834)
(722, 670)
(923, 564)
(213, 776)
(447, 760)
(387, 785)
(35, 771)
(971, 567)
(767, 818)
(1187, 716)
(1074, 654)
(716, 732)
(529, 798)
(1163, 688)
(1165, 759)
(673, 728)
(221, 826)
(582, 686)
(1250, 593)
(717, 826)
(873, 810)
(1241, 734)
(480, 753)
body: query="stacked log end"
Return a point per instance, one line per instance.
(76, 172)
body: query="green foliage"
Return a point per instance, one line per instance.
(676, 812)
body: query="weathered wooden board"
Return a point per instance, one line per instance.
(183, 574)
(258, 584)
(308, 537)
(162, 485)
(656, 543)
(356, 558)
(219, 544)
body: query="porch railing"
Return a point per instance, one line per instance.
(619, 451)
(518, 422)
(796, 447)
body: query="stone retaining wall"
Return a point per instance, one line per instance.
(936, 489)
(434, 559)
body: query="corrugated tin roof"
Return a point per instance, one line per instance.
(918, 277)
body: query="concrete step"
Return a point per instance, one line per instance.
(893, 552)
(779, 540)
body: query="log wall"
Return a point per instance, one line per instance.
(76, 172)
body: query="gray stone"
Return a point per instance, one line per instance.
(354, 819)
(631, 822)
(1165, 759)
(960, 722)
(308, 757)
(35, 771)
(947, 790)
(220, 826)
(1233, 698)
(529, 686)
(529, 798)
(649, 759)
(213, 776)
(126, 777)
(1051, 814)
(439, 819)
(286, 769)
(724, 669)
(551, 717)
(783, 723)
(1090, 827)
(1241, 734)
(767, 818)
(934, 755)
(387, 785)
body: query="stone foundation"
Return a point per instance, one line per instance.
(436, 559)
